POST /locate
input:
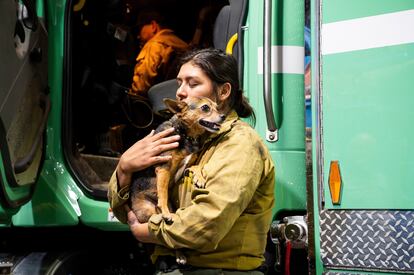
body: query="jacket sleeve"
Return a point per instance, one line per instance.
(223, 188)
(146, 69)
(118, 198)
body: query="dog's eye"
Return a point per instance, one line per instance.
(205, 108)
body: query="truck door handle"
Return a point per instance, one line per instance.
(272, 130)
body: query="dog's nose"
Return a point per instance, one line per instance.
(222, 117)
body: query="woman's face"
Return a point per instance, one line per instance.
(192, 81)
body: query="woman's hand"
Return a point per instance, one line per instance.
(144, 153)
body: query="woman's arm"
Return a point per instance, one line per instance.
(142, 154)
(139, 230)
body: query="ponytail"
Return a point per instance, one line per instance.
(242, 106)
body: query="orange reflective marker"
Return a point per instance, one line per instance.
(335, 182)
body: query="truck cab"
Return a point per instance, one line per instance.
(65, 121)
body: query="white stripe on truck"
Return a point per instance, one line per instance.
(368, 32)
(285, 59)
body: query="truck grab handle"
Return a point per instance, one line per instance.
(272, 131)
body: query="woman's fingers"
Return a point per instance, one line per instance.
(165, 147)
(163, 134)
(166, 142)
(170, 139)
(162, 141)
(146, 152)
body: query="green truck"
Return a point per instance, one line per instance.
(343, 188)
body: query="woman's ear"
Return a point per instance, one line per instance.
(224, 91)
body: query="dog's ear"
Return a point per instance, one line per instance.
(174, 106)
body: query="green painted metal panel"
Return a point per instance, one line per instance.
(337, 10)
(56, 11)
(55, 200)
(290, 193)
(288, 21)
(288, 99)
(96, 214)
(368, 109)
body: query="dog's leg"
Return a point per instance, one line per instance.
(163, 179)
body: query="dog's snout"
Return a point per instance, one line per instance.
(222, 117)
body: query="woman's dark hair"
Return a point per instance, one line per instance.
(146, 16)
(221, 68)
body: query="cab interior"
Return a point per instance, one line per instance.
(99, 124)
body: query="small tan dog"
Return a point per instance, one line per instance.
(194, 120)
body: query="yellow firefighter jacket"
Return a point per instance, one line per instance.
(224, 203)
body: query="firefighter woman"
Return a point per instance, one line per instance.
(224, 202)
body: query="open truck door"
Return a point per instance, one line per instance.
(362, 94)
(24, 103)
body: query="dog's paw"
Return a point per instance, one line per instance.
(167, 218)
